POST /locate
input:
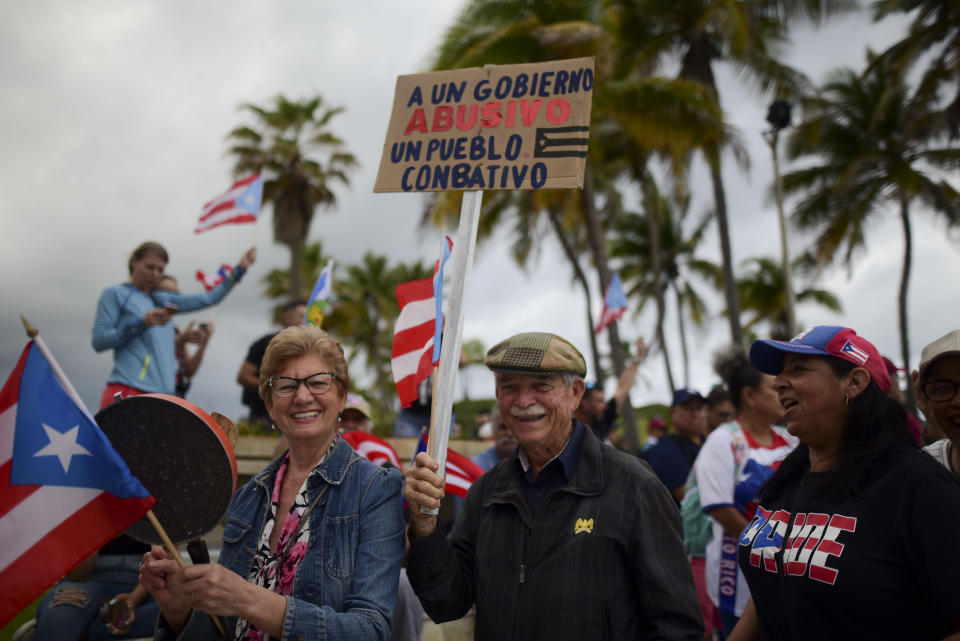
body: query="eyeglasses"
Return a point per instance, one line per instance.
(317, 384)
(940, 391)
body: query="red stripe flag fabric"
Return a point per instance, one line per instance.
(210, 282)
(413, 353)
(239, 204)
(373, 448)
(64, 491)
(461, 471)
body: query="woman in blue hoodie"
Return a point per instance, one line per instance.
(134, 320)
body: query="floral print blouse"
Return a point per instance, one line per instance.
(275, 572)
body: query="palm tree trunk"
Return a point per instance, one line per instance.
(683, 336)
(729, 284)
(581, 278)
(908, 400)
(598, 248)
(656, 258)
(666, 356)
(296, 286)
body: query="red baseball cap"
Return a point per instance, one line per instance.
(822, 340)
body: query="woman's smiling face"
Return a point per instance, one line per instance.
(813, 400)
(942, 376)
(304, 416)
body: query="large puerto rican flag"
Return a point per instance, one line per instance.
(64, 491)
(239, 204)
(416, 336)
(461, 471)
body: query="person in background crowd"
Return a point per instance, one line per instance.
(916, 429)
(482, 425)
(503, 446)
(600, 414)
(848, 538)
(937, 383)
(313, 543)
(356, 415)
(656, 430)
(133, 320)
(567, 539)
(733, 464)
(719, 408)
(70, 611)
(187, 363)
(673, 455)
(293, 313)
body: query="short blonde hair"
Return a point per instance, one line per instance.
(294, 342)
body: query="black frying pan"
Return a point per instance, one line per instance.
(180, 455)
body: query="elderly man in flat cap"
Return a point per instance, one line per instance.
(565, 539)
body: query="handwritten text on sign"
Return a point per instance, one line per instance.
(504, 127)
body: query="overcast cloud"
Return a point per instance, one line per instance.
(113, 124)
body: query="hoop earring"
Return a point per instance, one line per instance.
(847, 399)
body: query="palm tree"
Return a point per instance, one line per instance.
(277, 281)
(935, 29)
(679, 263)
(873, 143)
(284, 145)
(700, 33)
(763, 294)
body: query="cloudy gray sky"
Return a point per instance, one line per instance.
(113, 122)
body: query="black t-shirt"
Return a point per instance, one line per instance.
(882, 565)
(251, 397)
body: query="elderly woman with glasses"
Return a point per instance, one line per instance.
(313, 544)
(851, 537)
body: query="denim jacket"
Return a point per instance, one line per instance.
(346, 585)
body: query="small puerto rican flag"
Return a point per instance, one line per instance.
(855, 352)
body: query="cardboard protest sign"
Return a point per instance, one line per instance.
(497, 127)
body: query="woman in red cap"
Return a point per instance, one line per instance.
(848, 539)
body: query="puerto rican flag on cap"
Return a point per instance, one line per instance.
(822, 340)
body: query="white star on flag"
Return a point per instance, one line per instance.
(64, 446)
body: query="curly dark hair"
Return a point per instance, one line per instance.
(733, 365)
(876, 424)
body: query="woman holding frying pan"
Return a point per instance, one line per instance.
(312, 545)
(133, 320)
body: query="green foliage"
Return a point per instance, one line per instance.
(466, 410)
(763, 296)
(301, 161)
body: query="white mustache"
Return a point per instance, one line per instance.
(528, 412)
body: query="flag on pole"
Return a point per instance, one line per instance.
(320, 297)
(209, 282)
(373, 448)
(416, 336)
(461, 471)
(239, 204)
(614, 303)
(64, 491)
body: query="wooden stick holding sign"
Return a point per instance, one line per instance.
(461, 263)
